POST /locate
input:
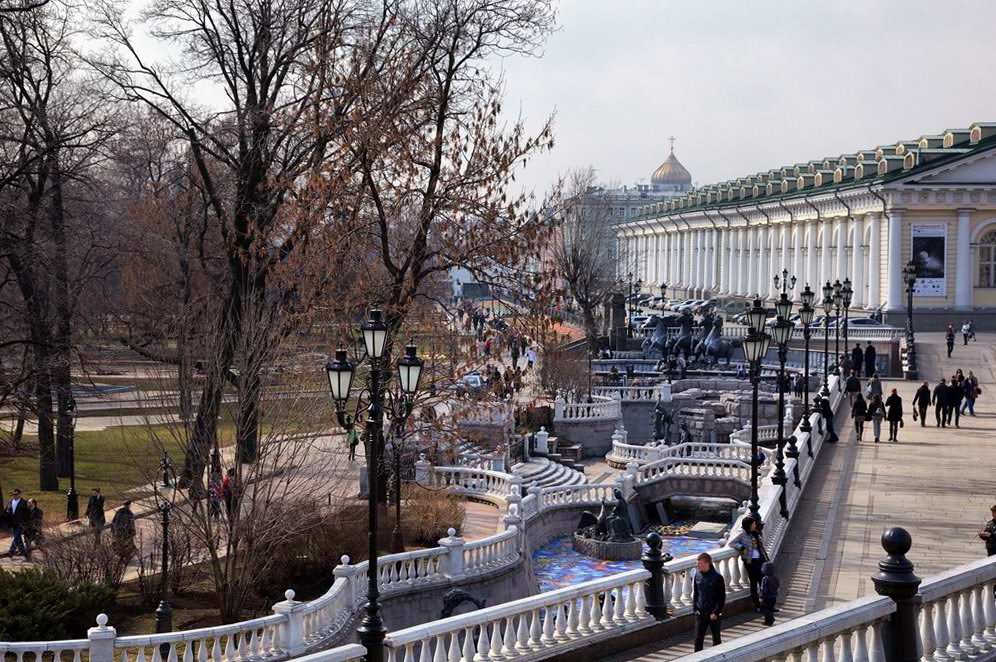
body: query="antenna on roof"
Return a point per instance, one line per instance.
(671, 140)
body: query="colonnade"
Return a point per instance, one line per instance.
(729, 260)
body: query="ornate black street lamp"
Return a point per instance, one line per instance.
(827, 311)
(663, 293)
(340, 375)
(806, 319)
(72, 497)
(909, 277)
(755, 347)
(781, 333)
(838, 304)
(846, 296)
(164, 612)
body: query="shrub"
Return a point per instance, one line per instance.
(38, 605)
(426, 515)
(185, 561)
(79, 559)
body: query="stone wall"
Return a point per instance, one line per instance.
(593, 435)
(638, 417)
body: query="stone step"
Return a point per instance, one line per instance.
(544, 473)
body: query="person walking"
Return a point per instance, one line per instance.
(751, 548)
(769, 592)
(858, 358)
(894, 414)
(852, 387)
(708, 601)
(971, 328)
(95, 511)
(874, 387)
(859, 412)
(228, 491)
(971, 387)
(921, 401)
(876, 412)
(826, 412)
(16, 516)
(33, 527)
(940, 401)
(956, 394)
(966, 332)
(530, 358)
(514, 351)
(123, 531)
(870, 368)
(949, 338)
(988, 533)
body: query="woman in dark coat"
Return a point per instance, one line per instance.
(859, 411)
(894, 414)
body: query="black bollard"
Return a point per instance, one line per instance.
(653, 588)
(896, 580)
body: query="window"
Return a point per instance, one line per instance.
(987, 260)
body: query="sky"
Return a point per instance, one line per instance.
(748, 85)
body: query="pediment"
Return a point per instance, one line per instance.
(977, 169)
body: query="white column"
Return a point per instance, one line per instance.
(858, 263)
(894, 300)
(722, 264)
(728, 259)
(697, 273)
(711, 261)
(746, 259)
(686, 259)
(874, 261)
(779, 259)
(760, 263)
(963, 273)
(826, 274)
(841, 271)
(799, 266)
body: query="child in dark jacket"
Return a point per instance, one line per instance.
(769, 592)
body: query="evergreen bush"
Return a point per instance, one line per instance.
(37, 605)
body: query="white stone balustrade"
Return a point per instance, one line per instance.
(679, 575)
(33, 651)
(491, 553)
(532, 628)
(958, 613)
(570, 495)
(678, 466)
(629, 393)
(347, 653)
(258, 639)
(623, 453)
(472, 480)
(851, 632)
(600, 409)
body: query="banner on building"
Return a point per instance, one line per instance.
(929, 257)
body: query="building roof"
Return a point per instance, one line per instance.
(862, 168)
(671, 172)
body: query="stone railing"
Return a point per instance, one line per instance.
(623, 453)
(765, 433)
(347, 653)
(570, 495)
(469, 480)
(484, 414)
(491, 553)
(690, 466)
(958, 614)
(629, 393)
(601, 409)
(532, 628)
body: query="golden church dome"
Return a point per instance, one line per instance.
(671, 172)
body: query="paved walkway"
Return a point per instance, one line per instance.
(935, 483)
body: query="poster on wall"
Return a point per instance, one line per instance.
(929, 251)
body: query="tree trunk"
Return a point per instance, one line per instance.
(61, 352)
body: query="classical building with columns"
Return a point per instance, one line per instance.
(862, 216)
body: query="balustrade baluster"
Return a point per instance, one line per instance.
(453, 652)
(140, 656)
(926, 631)
(619, 611)
(560, 625)
(967, 623)
(508, 639)
(629, 613)
(440, 653)
(483, 643)
(941, 636)
(641, 600)
(686, 589)
(534, 630)
(172, 652)
(989, 612)
(549, 629)
(846, 653)
(424, 650)
(468, 643)
(607, 609)
(156, 655)
(861, 644)
(954, 628)
(812, 653)
(572, 618)
(978, 619)
(877, 646)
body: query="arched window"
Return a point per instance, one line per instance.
(987, 260)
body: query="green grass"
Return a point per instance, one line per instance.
(116, 460)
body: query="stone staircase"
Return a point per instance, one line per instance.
(544, 473)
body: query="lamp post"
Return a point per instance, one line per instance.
(72, 497)
(755, 347)
(340, 373)
(629, 305)
(909, 277)
(663, 293)
(827, 310)
(806, 318)
(781, 333)
(846, 295)
(838, 303)
(164, 612)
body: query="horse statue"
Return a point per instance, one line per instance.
(712, 346)
(683, 341)
(655, 344)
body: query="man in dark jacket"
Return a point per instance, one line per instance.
(894, 414)
(95, 511)
(988, 533)
(940, 402)
(852, 386)
(956, 393)
(827, 413)
(708, 600)
(920, 403)
(857, 358)
(870, 368)
(16, 515)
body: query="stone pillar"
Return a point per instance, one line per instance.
(452, 563)
(896, 580)
(779, 260)
(963, 272)
(292, 634)
(841, 271)
(749, 286)
(101, 640)
(826, 273)
(874, 261)
(542, 441)
(798, 265)
(724, 261)
(757, 279)
(858, 263)
(812, 258)
(746, 246)
(422, 469)
(894, 300)
(347, 571)
(653, 588)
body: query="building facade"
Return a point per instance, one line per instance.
(670, 180)
(862, 216)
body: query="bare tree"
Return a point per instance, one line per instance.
(582, 247)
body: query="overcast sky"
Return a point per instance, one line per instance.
(750, 85)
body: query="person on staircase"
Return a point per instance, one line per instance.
(750, 545)
(708, 601)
